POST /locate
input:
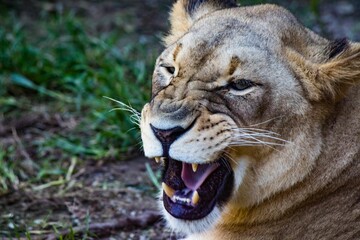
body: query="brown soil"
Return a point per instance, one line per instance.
(98, 193)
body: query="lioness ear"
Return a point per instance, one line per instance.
(185, 12)
(330, 79)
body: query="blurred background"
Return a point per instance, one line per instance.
(70, 158)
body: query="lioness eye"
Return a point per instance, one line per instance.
(241, 84)
(169, 69)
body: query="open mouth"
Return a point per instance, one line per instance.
(191, 191)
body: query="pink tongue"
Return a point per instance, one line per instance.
(193, 180)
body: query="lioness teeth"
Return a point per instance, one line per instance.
(195, 198)
(168, 190)
(162, 159)
(157, 159)
(194, 167)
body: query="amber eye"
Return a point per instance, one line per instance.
(169, 69)
(241, 84)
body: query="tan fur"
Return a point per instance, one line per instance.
(305, 188)
(180, 23)
(330, 78)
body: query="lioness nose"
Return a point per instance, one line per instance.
(168, 136)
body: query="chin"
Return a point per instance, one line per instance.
(194, 226)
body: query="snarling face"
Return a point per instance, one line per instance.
(223, 100)
(211, 89)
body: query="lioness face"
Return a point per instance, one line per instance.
(216, 91)
(224, 98)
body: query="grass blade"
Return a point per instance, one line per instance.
(22, 81)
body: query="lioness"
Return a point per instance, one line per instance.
(256, 120)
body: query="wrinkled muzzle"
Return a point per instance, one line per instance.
(189, 142)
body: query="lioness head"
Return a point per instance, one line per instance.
(238, 94)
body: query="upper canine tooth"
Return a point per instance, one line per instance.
(157, 159)
(194, 167)
(162, 159)
(168, 190)
(195, 198)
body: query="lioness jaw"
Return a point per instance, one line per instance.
(255, 120)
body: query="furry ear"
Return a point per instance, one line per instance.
(185, 12)
(328, 80)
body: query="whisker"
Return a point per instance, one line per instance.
(253, 130)
(227, 165)
(253, 144)
(266, 121)
(124, 106)
(229, 157)
(253, 136)
(127, 109)
(135, 116)
(133, 128)
(256, 142)
(260, 133)
(257, 130)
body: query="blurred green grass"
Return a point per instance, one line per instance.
(63, 65)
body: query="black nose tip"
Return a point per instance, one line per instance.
(168, 136)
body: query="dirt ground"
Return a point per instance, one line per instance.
(113, 200)
(110, 198)
(118, 195)
(104, 193)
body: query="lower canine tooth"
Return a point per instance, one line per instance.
(168, 190)
(195, 198)
(194, 167)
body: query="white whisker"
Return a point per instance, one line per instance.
(251, 139)
(269, 120)
(259, 135)
(256, 137)
(135, 116)
(253, 130)
(227, 155)
(257, 130)
(130, 129)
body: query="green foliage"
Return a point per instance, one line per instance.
(314, 6)
(7, 174)
(65, 65)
